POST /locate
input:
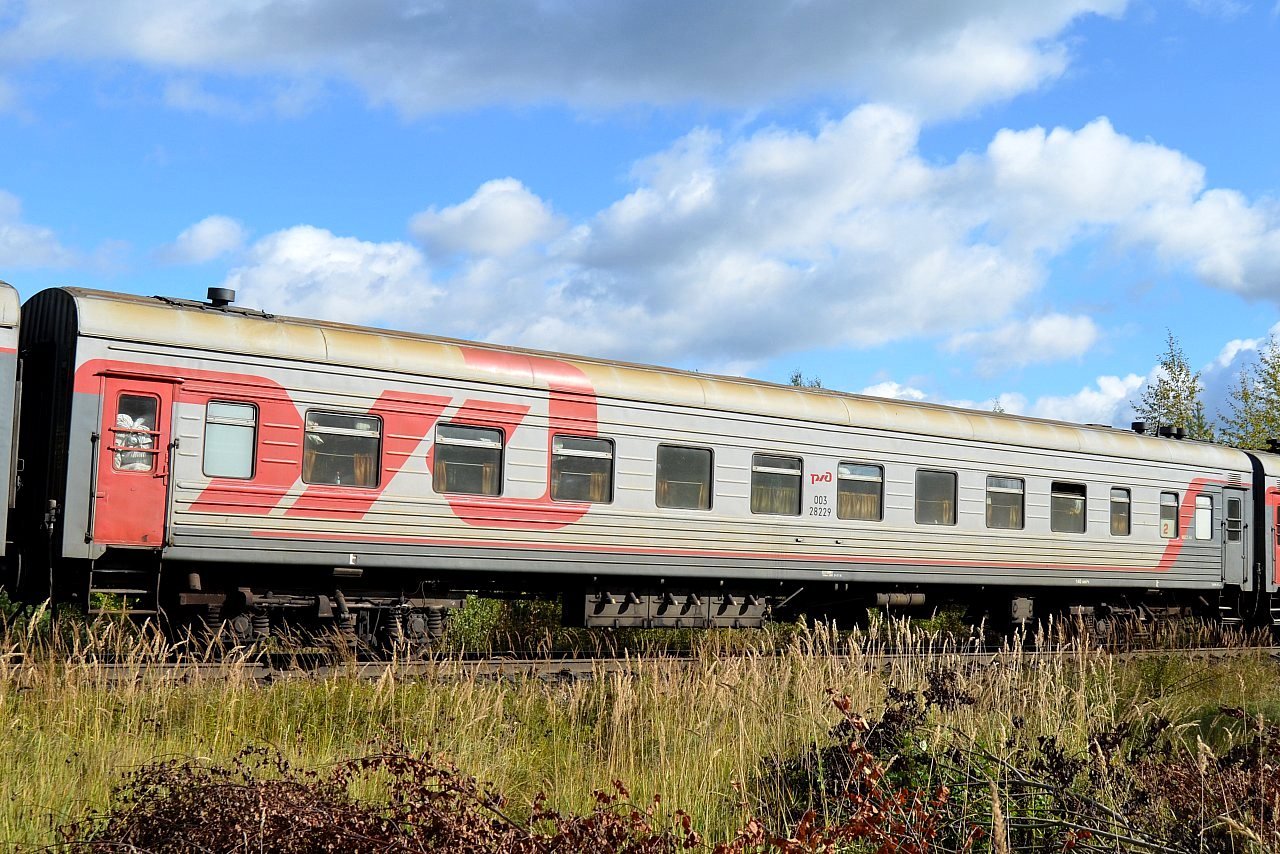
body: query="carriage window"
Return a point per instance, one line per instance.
(581, 469)
(1120, 504)
(935, 497)
(775, 485)
(229, 432)
(1067, 507)
(1204, 517)
(1235, 520)
(467, 460)
(1169, 515)
(1005, 501)
(684, 478)
(135, 436)
(341, 450)
(859, 492)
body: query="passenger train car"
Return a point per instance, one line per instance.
(216, 463)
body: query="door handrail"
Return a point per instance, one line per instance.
(94, 439)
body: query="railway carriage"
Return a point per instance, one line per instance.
(222, 463)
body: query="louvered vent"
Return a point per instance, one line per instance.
(1235, 477)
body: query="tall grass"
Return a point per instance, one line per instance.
(699, 733)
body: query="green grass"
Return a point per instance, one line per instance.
(700, 735)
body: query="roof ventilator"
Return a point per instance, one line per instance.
(221, 297)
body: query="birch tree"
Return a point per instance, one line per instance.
(1253, 402)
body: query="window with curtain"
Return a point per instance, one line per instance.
(341, 450)
(684, 478)
(1005, 502)
(1120, 515)
(1169, 515)
(468, 460)
(860, 492)
(935, 497)
(230, 431)
(581, 469)
(775, 485)
(1067, 503)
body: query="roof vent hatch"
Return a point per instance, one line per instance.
(221, 297)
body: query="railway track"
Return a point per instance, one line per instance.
(267, 669)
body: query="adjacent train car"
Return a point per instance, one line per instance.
(206, 459)
(10, 311)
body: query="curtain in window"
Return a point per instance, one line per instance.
(858, 505)
(364, 465)
(779, 499)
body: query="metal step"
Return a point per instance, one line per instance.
(137, 589)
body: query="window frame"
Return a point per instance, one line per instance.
(150, 451)
(1021, 491)
(955, 497)
(612, 456)
(339, 431)
(437, 440)
(879, 495)
(798, 474)
(1128, 513)
(253, 453)
(711, 475)
(1195, 525)
(1177, 523)
(1234, 534)
(1083, 497)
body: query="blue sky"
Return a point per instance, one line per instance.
(949, 200)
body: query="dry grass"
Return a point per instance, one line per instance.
(700, 735)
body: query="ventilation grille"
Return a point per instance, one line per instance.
(1235, 477)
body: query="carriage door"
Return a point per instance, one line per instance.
(1235, 542)
(130, 496)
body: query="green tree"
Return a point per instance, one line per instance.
(1173, 399)
(799, 380)
(1253, 402)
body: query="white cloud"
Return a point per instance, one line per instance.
(1053, 187)
(8, 96)
(734, 251)
(26, 245)
(1048, 338)
(209, 238)
(1104, 402)
(501, 218)
(311, 272)
(933, 56)
(894, 390)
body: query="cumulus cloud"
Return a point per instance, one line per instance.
(894, 390)
(312, 272)
(1048, 338)
(738, 250)
(211, 237)
(502, 217)
(732, 251)
(26, 245)
(1104, 402)
(936, 56)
